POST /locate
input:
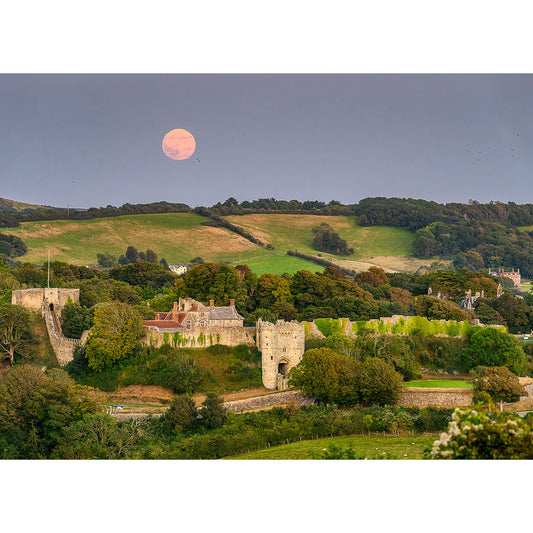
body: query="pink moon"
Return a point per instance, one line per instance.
(178, 144)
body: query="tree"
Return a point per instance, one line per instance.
(328, 240)
(380, 383)
(213, 413)
(272, 289)
(117, 331)
(76, 319)
(284, 310)
(131, 254)
(95, 436)
(335, 378)
(106, 259)
(163, 262)
(515, 311)
(491, 347)
(498, 382)
(15, 331)
(35, 408)
(325, 375)
(182, 414)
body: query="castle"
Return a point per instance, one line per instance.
(191, 323)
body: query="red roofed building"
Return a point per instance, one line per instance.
(515, 276)
(188, 314)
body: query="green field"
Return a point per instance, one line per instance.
(440, 383)
(365, 446)
(525, 228)
(279, 264)
(293, 232)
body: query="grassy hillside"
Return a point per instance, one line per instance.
(289, 232)
(12, 206)
(178, 237)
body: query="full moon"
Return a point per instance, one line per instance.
(178, 144)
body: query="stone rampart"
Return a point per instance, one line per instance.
(200, 337)
(63, 346)
(435, 397)
(268, 400)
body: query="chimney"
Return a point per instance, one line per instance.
(211, 303)
(232, 303)
(175, 308)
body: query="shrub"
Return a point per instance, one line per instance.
(473, 435)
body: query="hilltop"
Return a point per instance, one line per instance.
(12, 206)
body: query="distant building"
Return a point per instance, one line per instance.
(178, 269)
(501, 273)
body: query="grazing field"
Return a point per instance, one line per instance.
(525, 228)
(440, 383)
(293, 232)
(178, 237)
(279, 264)
(365, 446)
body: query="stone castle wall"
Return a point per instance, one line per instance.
(267, 400)
(200, 337)
(436, 397)
(63, 346)
(281, 345)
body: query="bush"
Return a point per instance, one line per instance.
(473, 435)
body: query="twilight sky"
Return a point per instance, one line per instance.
(92, 140)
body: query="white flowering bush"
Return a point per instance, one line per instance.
(473, 435)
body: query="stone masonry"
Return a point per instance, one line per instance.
(281, 345)
(50, 303)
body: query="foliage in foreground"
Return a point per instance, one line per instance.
(473, 435)
(333, 378)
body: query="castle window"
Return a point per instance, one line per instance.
(272, 358)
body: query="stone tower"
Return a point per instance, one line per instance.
(36, 299)
(281, 345)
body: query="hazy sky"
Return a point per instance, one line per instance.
(93, 140)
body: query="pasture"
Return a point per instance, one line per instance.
(364, 446)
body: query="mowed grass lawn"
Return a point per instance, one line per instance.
(293, 232)
(440, 383)
(365, 446)
(178, 237)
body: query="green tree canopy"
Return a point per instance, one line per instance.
(182, 414)
(117, 331)
(15, 331)
(36, 407)
(498, 382)
(492, 347)
(213, 413)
